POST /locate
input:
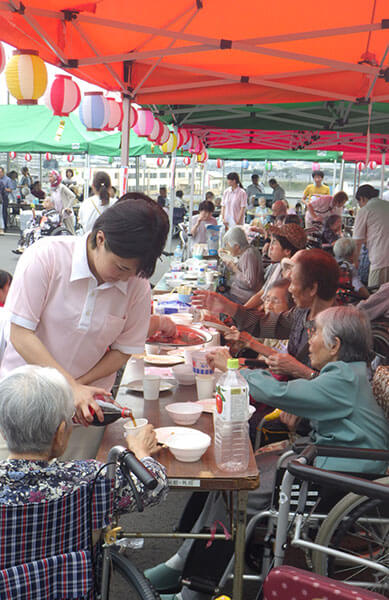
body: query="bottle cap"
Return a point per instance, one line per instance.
(233, 363)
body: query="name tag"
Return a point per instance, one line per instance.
(192, 483)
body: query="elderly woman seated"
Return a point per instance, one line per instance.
(345, 254)
(247, 272)
(339, 401)
(36, 409)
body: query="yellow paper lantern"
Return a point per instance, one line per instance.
(170, 145)
(26, 76)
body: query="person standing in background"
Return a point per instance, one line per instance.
(62, 199)
(234, 202)
(317, 188)
(5, 180)
(95, 205)
(255, 190)
(278, 191)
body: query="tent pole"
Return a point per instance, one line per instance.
(125, 131)
(172, 194)
(341, 175)
(192, 190)
(223, 175)
(383, 156)
(355, 180)
(40, 167)
(137, 173)
(334, 176)
(86, 176)
(203, 182)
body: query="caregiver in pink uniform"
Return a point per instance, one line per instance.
(72, 298)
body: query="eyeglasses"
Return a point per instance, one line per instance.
(272, 300)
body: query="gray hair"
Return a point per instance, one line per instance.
(344, 248)
(236, 235)
(352, 327)
(33, 403)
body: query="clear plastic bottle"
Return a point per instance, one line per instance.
(178, 253)
(201, 276)
(232, 442)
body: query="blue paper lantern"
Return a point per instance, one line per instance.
(245, 164)
(94, 111)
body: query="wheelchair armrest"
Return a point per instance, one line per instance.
(347, 482)
(345, 452)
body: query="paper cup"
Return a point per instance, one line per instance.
(151, 385)
(130, 429)
(205, 385)
(200, 365)
(135, 369)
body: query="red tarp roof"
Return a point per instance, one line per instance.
(212, 51)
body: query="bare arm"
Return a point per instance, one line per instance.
(311, 211)
(358, 246)
(241, 214)
(255, 300)
(112, 361)
(34, 352)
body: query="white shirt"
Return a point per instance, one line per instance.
(91, 209)
(372, 225)
(55, 294)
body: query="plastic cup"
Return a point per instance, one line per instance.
(200, 365)
(129, 427)
(135, 369)
(151, 385)
(205, 385)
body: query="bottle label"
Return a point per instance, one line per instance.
(232, 403)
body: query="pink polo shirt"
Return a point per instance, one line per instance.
(233, 201)
(55, 294)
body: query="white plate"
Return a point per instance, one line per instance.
(190, 276)
(137, 385)
(217, 326)
(163, 360)
(164, 434)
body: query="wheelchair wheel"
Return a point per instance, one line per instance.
(126, 581)
(358, 526)
(61, 230)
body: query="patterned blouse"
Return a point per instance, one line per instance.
(25, 481)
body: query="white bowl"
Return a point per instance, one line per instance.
(189, 448)
(184, 413)
(184, 374)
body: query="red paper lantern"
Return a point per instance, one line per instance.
(196, 146)
(2, 58)
(183, 136)
(219, 163)
(156, 132)
(27, 157)
(187, 161)
(64, 96)
(48, 156)
(145, 122)
(160, 162)
(12, 155)
(115, 111)
(372, 164)
(164, 135)
(360, 166)
(70, 158)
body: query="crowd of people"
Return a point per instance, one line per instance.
(65, 339)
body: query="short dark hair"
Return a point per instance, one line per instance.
(207, 205)
(5, 278)
(340, 197)
(134, 227)
(272, 181)
(209, 194)
(179, 194)
(318, 266)
(332, 219)
(320, 173)
(254, 176)
(163, 187)
(366, 191)
(292, 219)
(67, 171)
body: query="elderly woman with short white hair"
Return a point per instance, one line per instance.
(247, 271)
(36, 410)
(344, 252)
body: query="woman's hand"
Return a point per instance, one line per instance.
(217, 358)
(289, 420)
(214, 302)
(233, 335)
(144, 443)
(285, 364)
(84, 399)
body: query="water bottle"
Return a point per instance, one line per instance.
(178, 253)
(201, 277)
(232, 443)
(111, 413)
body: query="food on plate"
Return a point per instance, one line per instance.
(184, 337)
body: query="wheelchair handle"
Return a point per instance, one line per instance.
(128, 461)
(345, 452)
(348, 482)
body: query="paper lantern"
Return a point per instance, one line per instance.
(133, 117)
(315, 166)
(372, 164)
(94, 111)
(245, 164)
(195, 147)
(203, 157)
(160, 162)
(183, 137)
(170, 145)
(48, 156)
(360, 166)
(70, 158)
(187, 161)
(269, 166)
(63, 97)
(2, 58)
(27, 157)
(156, 131)
(12, 155)
(26, 76)
(219, 163)
(145, 122)
(165, 135)
(115, 114)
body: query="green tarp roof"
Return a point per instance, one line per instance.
(237, 154)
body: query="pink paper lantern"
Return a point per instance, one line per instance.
(360, 166)
(372, 164)
(195, 147)
(187, 161)
(164, 135)
(183, 136)
(27, 157)
(115, 111)
(145, 122)
(156, 131)
(315, 166)
(48, 156)
(160, 162)
(12, 155)
(133, 118)
(64, 96)
(2, 58)
(70, 158)
(219, 163)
